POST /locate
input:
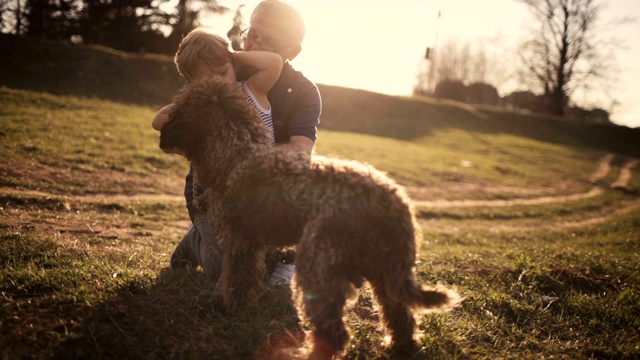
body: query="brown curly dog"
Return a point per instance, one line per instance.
(350, 222)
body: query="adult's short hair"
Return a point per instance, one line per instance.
(283, 16)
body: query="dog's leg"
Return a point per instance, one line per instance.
(325, 309)
(324, 297)
(243, 270)
(397, 317)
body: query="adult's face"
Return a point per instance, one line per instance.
(267, 34)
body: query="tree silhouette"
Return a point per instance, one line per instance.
(187, 17)
(561, 53)
(129, 25)
(12, 16)
(120, 24)
(51, 19)
(466, 62)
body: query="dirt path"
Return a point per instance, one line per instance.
(94, 197)
(500, 203)
(447, 227)
(75, 223)
(604, 167)
(625, 174)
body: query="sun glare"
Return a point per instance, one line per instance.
(380, 45)
(369, 46)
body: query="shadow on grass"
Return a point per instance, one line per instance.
(60, 302)
(65, 303)
(178, 316)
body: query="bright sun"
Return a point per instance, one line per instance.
(379, 45)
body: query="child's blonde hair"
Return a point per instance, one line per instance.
(201, 46)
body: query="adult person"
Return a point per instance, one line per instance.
(295, 101)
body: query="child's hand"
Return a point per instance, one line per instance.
(161, 117)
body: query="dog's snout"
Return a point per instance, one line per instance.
(167, 136)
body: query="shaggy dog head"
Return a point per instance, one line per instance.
(212, 113)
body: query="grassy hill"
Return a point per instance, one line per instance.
(534, 219)
(433, 137)
(147, 79)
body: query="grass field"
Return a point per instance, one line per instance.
(519, 213)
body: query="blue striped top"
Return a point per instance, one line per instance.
(265, 114)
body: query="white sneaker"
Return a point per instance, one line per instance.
(282, 274)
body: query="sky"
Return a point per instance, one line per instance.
(379, 45)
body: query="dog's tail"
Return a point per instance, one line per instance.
(429, 299)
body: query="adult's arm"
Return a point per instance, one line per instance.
(298, 143)
(304, 119)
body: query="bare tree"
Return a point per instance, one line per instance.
(562, 53)
(464, 62)
(454, 61)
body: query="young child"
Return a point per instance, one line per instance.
(204, 54)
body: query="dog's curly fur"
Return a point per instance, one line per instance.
(350, 222)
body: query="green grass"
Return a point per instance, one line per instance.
(74, 140)
(440, 157)
(544, 293)
(91, 210)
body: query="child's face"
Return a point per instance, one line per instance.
(225, 71)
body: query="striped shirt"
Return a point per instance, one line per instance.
(265, 114)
